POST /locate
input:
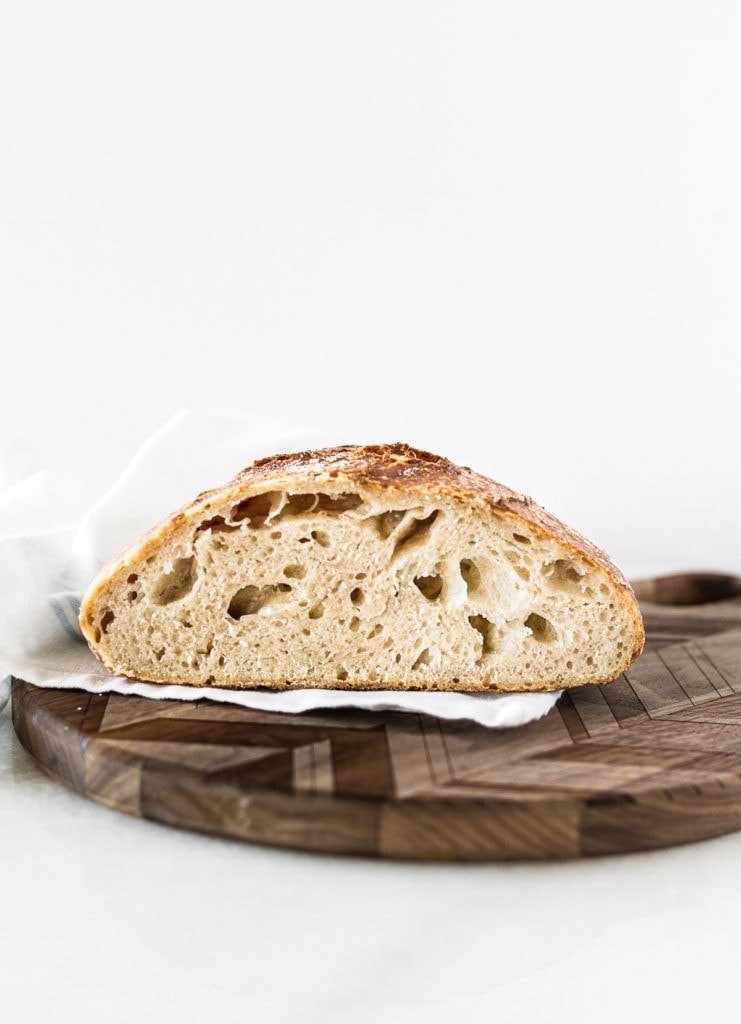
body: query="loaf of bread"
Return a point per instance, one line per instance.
(376, 567)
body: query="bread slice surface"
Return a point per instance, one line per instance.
(367, 567)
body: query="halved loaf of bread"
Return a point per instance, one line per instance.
(377, 567)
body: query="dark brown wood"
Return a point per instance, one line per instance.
(650, 760)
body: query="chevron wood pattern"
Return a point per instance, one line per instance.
(650, 760)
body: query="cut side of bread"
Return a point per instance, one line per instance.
(375, 567)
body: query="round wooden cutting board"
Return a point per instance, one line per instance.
(650, 760)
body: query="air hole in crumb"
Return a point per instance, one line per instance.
(377, 629)
(249, 600)
(569, 664)
(132, 578)
(321, 538)
(132, 595)
(299, 504)
(414, 532)
(354, 623)
(159, 654)
(397, 659)
(513, 558)
(256, 509)
(107, 619)
(429, 586)
(482, 625)
(175, 585)
(387, 522)
(275, 505)
(216, 525)
(562, 574)
(246, 601)
(360, 575)
(521, 538)
(542, 630)
(316, 611)
(423, 658)
(357, 596)
(334, 503)
(471, 576)
(295, 572)
(342, 675)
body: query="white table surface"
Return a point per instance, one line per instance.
(507, 233)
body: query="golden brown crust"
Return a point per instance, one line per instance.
(371, 468)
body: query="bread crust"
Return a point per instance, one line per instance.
(366, 469)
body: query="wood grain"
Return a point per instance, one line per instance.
(650, 760)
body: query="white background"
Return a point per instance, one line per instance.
(507, 232)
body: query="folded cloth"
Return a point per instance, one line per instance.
(44, 574)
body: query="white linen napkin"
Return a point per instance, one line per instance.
(43, 574)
